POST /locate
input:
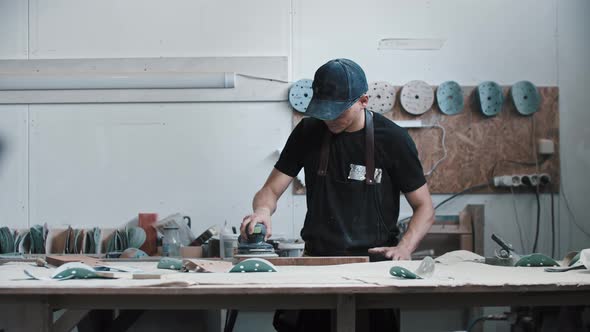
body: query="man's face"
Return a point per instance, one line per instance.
(349, 118)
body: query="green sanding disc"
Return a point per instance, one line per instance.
(403, 273)
(254, 265)
(536, 260)
(75, 270)
(170, 263)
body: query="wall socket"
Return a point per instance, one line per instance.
(545, 147)
(518, 180)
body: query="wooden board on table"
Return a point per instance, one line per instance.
(206, 265)
(147, 221)
(59, 260)
(314, 261)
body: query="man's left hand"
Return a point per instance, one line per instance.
(394, 253)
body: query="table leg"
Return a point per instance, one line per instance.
(346, 313)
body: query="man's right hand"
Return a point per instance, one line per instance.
(259, 216)
(265, 203)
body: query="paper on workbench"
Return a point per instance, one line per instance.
(349, 275)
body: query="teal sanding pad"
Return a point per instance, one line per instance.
(490, 98)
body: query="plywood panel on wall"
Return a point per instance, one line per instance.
(477, 145)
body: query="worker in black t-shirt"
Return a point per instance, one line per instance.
(356, 164)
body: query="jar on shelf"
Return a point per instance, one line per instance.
(171, 242)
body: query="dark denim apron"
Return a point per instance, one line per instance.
(346, 220)
(346, 216)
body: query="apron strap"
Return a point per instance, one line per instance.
(369, 148)
(325, 154)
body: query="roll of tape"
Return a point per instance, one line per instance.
(417, 97)
(381, 97)
(300, 94)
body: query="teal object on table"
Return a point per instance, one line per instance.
(133, 253)
(78, 233)
(72, 270)
(526, 97)
(490, 98)
(449, 97)
(89, 244)
(117, 242)
(7, 240)
(170, 263)
(403, 273)
(424, 271)
(75, 270)
(37, 239)
(17, 241)
(97, 236)
(254, 265)
(536, 260)
(135, 237)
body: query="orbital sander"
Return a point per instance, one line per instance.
(254, 245)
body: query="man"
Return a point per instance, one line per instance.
(356, 164)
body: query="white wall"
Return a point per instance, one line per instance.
(574, 79)
(89, 164)
(484, 40)
(203, 159)
(506, 41)
(14, 147)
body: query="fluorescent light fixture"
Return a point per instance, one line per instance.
(135, 80)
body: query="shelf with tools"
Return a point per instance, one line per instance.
(463, 231)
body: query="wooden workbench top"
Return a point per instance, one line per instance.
(354, 278)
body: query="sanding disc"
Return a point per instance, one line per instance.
(526, 97)
(300, 94)
(417, 97)
(449, 97)
(381, 97)
(490, 98)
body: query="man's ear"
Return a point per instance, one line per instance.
(364, 99)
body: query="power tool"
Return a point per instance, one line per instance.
(254, 245)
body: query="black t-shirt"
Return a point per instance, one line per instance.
(395, 154)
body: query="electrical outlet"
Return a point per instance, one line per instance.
(517, 180)
(536, 179)
(530, 179)
(544, 179)
(545, 147)
(507, 181)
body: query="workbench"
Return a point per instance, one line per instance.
(344, 288)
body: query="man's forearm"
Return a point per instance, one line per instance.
(419, 225)
(265, 200)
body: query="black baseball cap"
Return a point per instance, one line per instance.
(337, 85)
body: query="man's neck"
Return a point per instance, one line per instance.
(359, 123)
